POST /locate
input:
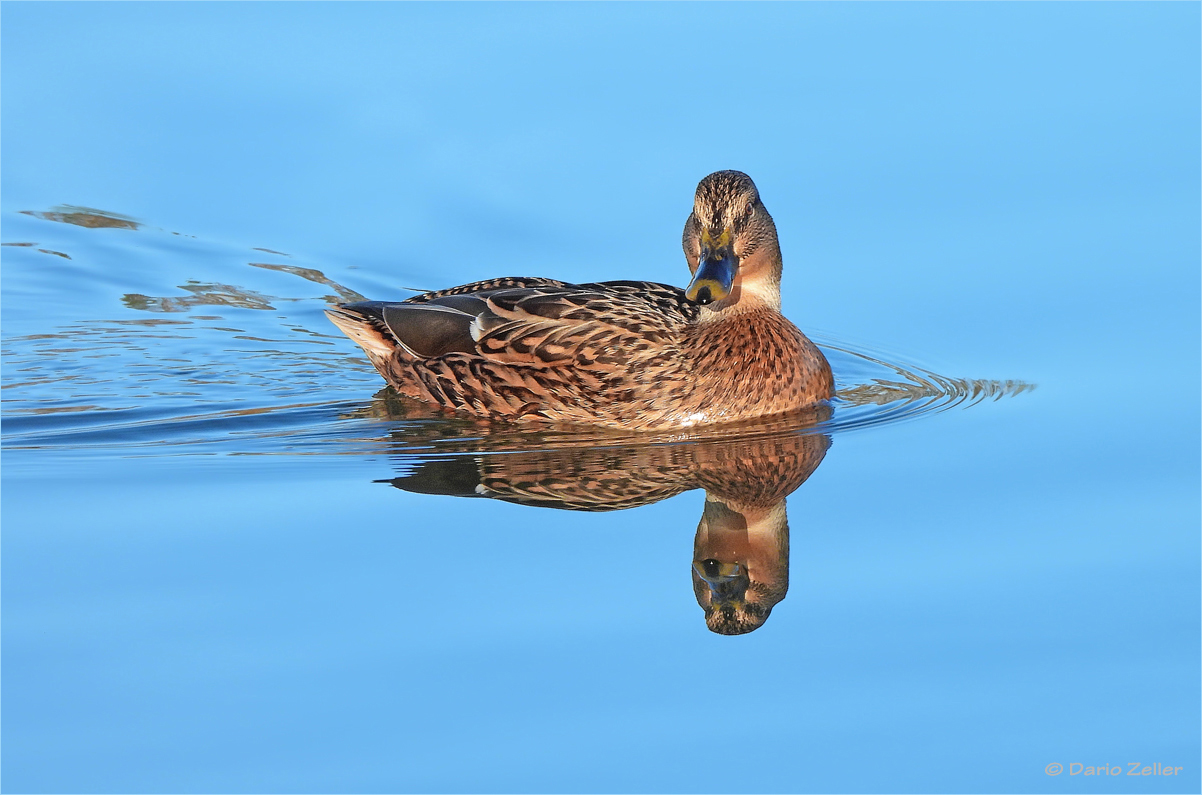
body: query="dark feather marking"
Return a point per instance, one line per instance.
(430, 331)
(472, 304)
(371, 313)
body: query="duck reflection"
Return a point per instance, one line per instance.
(740, 564)
(740, 567)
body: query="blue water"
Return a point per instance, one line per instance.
(221, 573)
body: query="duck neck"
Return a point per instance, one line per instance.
(756, 289)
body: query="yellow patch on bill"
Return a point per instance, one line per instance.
(709, 241)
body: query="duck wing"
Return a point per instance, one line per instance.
(539, 322)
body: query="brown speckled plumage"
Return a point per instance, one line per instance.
(755, 465)
(621, 354)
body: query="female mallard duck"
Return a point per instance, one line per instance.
(627, 355)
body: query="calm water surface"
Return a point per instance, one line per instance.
(233, 562)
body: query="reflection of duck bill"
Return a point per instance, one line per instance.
(727, 582)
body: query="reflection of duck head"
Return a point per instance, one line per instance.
(740, 564)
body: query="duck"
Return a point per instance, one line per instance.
(628, 355)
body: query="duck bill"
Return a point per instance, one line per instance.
(727, 581)
(714, 279)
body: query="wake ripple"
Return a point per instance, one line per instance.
(206, 349)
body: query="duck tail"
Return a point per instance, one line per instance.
(364, 323)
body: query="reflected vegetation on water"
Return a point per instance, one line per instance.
(86, 217)
(204, 294)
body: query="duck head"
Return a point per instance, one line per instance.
(731, 245)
